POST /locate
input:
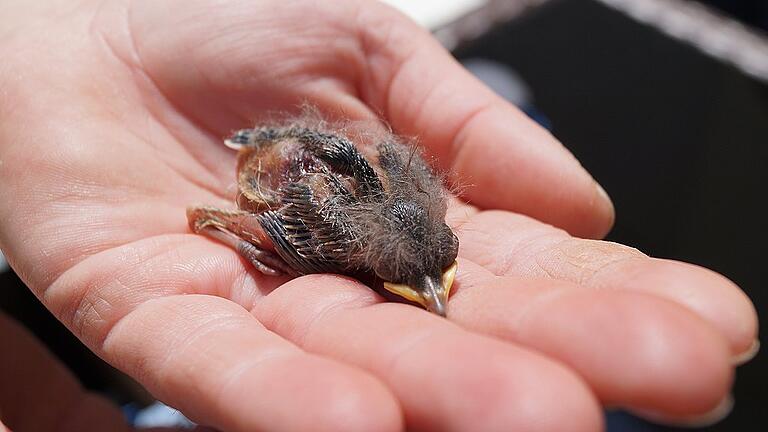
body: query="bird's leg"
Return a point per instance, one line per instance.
(264, 261)
(242, 232)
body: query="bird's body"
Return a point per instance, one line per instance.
(310, 201)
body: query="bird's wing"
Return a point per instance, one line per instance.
(309, 231)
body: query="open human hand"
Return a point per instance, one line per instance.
(110, 125)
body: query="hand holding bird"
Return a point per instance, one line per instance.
(110, 126)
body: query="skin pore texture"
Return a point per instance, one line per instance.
(111, 120)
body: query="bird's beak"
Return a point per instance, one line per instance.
(433, 294)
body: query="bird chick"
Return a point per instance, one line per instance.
(310, 201)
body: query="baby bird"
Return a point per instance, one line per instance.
(310, 201)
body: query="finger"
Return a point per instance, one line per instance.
(150, 308)
(514, 245)
(446, 379)
(39, 393)
(635, 350)
(211, 359)
(507, 160)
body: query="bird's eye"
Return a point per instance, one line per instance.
(450, 248)
(405, 211)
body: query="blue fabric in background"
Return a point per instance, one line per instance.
(156, 415)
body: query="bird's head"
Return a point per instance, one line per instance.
(412, 249)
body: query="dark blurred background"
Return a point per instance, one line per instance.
(678, 138)
(752, 12)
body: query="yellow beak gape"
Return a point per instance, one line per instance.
(409, 293)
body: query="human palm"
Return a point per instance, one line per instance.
(112, 117)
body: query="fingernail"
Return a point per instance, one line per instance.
(709, 418)
(606, 203)
(603, 194)
(749, 354)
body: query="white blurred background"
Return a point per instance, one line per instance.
(434, 14)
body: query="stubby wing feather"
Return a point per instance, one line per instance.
(310, 231)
